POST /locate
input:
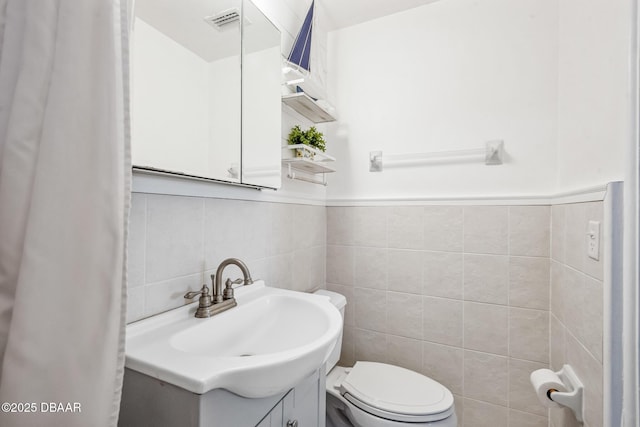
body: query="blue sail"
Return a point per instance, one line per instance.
(301, 49)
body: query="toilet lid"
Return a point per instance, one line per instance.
(396, 393)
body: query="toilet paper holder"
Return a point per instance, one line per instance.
(571, 399)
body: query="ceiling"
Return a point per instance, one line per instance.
(183, 20)
(344, 13)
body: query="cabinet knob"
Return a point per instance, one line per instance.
(293, 423)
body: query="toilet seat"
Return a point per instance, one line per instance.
(395, 393)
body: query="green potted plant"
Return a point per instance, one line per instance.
(311, 137)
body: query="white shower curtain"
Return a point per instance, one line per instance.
(64, 200)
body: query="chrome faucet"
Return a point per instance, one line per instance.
(221, 300)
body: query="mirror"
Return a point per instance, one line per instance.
(188, 90)
(261, 99)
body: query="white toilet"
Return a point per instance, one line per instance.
(381, 395)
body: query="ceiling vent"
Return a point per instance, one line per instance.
(221, 20)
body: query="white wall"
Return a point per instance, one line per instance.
(549, 78)
(593, 91)
(445, 76)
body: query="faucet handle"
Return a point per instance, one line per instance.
(204, 292)
(228, 288)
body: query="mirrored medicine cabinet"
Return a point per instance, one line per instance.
(205, 91)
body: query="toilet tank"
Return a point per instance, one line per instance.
(340, 302)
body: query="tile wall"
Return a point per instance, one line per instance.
(576, 323)
(175, 243)
(476, 297)
(459, 293)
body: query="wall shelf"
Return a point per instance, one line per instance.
(306, 106)
(311, 161)
(308, 165)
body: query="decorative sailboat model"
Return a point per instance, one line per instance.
(297, 65)
(302, 91)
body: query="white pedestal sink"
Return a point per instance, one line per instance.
(266, 345)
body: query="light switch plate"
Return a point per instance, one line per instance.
(593, 240)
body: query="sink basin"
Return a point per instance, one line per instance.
(266, 345)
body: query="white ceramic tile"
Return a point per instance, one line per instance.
(348, 355)
(522, 396)
(371, 309)
(300, 268)
(529, 230)
(529, 282)
(340, 226)
(563, 418)
(442, 320)
(340, 264)
(404, 315)
(233, 228)
(370, 226)
(404, 352)
(558, 227)
(318, 266)
(444, 364)
(525, 419)
(252, 218)
(280, 229)
(405, 227)
(304, 229)
(589, 370)
(556, 343)
(370, 346)
(482, 414)
(557, 293)
(486, 327)
(486, 278)
(592, 317)
(443, 228)
(135, 304)
(486, 377)
(486, 229)
(281, 271)
(165, 295)
(175, 242)
(405, 271)
(576, 235)
(529, 334)
(136, 240)
(574, 302)
(442, 275)
(319, 218)
(371, 268)
(259, 269)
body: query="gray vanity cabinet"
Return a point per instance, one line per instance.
(147, 401)
(303, 406)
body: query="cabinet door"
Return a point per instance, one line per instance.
(273, 418)
(304, 404)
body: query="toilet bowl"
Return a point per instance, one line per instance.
(374, 394)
